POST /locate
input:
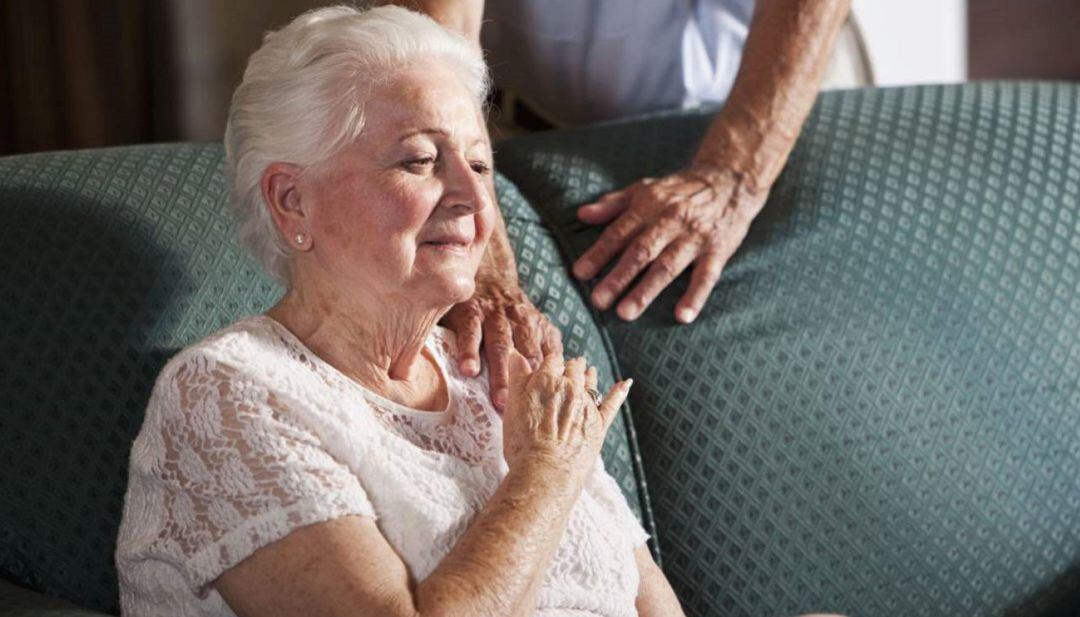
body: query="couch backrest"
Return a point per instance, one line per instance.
(878, 412)
(114, 260)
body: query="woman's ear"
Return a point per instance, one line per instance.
(281, 193)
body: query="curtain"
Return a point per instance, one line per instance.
(80, 73)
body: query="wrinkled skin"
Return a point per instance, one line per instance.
(661, 227)
(503, 319)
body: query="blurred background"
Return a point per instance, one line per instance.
(89, 73)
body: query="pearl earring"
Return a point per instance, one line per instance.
(299, 238)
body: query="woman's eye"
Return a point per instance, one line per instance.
(481, 167)
(419, 163)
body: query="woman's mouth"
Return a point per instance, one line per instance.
(457, 246)
(449, 242)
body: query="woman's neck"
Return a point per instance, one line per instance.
(380, 345)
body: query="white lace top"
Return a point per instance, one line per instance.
(249, 435)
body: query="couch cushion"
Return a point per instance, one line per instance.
(114, 260)
(878, 412)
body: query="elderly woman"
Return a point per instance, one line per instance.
(329, 457)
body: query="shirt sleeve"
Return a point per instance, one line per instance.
(237, 472)
(605, 490)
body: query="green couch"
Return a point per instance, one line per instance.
(877, 413)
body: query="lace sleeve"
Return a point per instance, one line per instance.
(605, 490)
(238, 473)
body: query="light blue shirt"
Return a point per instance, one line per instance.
(578, 61)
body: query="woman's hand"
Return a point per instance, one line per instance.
(551, 416)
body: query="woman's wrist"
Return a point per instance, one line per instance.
(549, 470)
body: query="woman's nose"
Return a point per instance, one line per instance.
(466, 189)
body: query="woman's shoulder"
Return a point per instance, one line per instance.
(240, 345)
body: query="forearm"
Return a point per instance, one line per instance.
(493, 570)
(655, 597)
(786, 53)
(461, 16)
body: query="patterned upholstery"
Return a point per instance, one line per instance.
(20, 602)
(878, 412)
(114, 260)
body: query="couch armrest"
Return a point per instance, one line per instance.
(16, 601)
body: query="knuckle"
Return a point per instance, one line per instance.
(528, 316)
(654, 191)
(499, 349)
(701, 227)
(667, 267)
(611, 240)
(472, 309)
(640, 254)
(552, 335)
(520, 311)
(605, 247)
(496, 326)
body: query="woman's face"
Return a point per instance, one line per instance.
(407, 210)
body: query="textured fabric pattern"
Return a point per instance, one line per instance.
(249, 436)
(114, 260)
(878, 411)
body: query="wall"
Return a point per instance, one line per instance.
(915, 41)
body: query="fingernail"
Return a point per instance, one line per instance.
(629, 382)
(499, 398)
(685, 314)
(470, 367)
(581, 269)
(602, 298)
(629, 310)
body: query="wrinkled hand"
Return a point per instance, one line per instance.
(696, 216)
(501, 318)
(551, 417)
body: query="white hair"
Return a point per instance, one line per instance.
(303, 95)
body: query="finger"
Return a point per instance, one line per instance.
(551, 343)
(641, 253)
(676, 258)
(605, 209)
(527, 334)
(614, 399)
(590, 378)
(575, 372)
(517, 370)
(611, 241)
(553, 364)
(706, 272)
(497, 346)
(469, 334)
(569, 415)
